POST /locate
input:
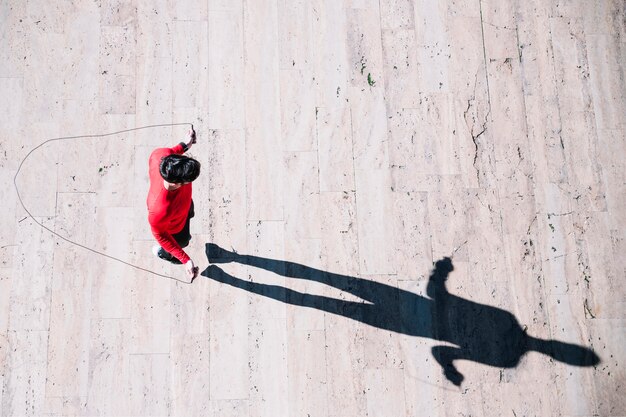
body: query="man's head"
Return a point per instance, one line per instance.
(179, 169)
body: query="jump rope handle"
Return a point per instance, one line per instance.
(193, 135)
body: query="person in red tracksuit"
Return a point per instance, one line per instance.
(170, 206)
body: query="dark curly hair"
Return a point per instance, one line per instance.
(178, 169)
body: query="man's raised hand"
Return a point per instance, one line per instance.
(191, 269)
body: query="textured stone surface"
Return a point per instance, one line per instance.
(347, 146)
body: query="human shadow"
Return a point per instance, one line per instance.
(479, 332)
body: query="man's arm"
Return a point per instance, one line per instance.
(169, 244)
(183, 147)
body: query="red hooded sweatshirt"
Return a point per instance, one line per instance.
(167, 210)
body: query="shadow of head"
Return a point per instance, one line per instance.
(443, 267)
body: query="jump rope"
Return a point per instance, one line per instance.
(66, 239)
(17, 190)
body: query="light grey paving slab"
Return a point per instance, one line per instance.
(550, 165)
(72, 175)
(117, 12)
(558, 247)
(605, 82)
(446, 209)
(153, 96)
(226, 176)
(421, 379)
(109, 367)
(332, 64)
(405, 152)
(230, 408)
(151, 314)
(344, 367)
(269, 379)
(340, 246)
(2, 392)
(190, 64)
(70, 299)
(524, 274)
(229, 345)
(302, 198)
(68, 344)
(189, 372)
(42, 93)
(150, 382)
(38, 175)
(298, 119)
(485, 235)
(574, 101)
(5, 282)
(58, 406)
(111, 291)
(13, 40)
(374, 198)
(366, 89)
(157, 10)
(115, 162)
(566, 324)
(607, 336)
(369, 128)
(399, 14)
(433, 46)
(296, 38)
(308, 253)
(117, 81)
(116, 57)
(226, 68)
(335, 148)
(7, 251)
(413, 254)
(140, 187)
(190, 305)
(82, 37)
(154, 33)
(400, 68)
(433, 128)
(385, 393)
(308, 388)
(24, 388)
(515, 397)
(263, 136)
(599, 269)
(268, 243)
(8, 206)
(73, 211)
(12, 110)
(344, 337)
(381, 347)
(611, 144)
(51, 17)
(264, 170)
(5, 286)
(30, 297)
(195, 10)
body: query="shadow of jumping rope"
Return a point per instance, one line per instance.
(68, 240)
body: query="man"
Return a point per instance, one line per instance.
(170, 206)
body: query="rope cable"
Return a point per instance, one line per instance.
(66, 239)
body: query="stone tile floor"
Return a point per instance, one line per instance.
(348, 148)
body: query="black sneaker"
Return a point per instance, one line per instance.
(159, 252)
